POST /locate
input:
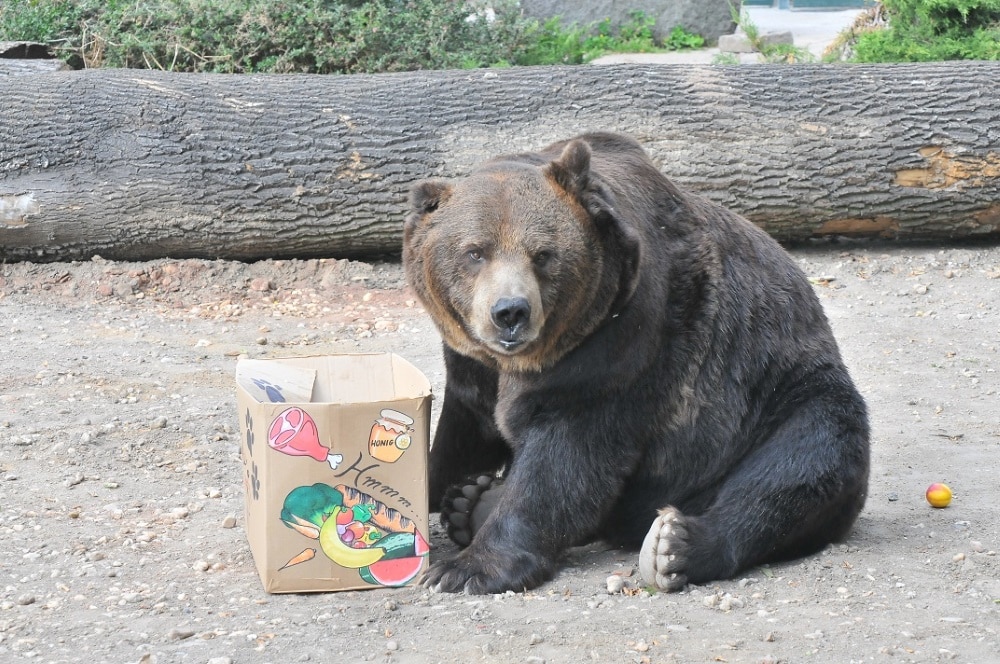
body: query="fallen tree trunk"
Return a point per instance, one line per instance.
(136, 165)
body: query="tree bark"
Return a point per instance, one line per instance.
(136, 165)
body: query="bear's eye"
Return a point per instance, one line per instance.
(542, 258)
(475, 254)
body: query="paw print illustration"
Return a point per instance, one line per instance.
(254, 482)
(272, 391)
(249, 427)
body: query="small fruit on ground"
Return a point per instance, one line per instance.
(938, 495)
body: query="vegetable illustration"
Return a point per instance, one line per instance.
(356, 531)
(307, 554)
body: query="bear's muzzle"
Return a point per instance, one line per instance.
(511, 316)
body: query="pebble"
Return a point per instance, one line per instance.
(392, 646)
(25, 600)
(958, 557)
(229, 521)
(535, 639)
(728, 603)
(261, 284)
(180, 633)
(725, 603)
(615, 584)
(220, 660)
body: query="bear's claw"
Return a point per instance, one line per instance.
(466, 506)
(663, 556)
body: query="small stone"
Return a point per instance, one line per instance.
(261, 284)
(261, 341)
(737, 43)
(958, 557)
(392, 646)
(229, 522)
(25, 600)
(535, 639)
(784, 38)
(180, 633)
(158, 423)
(615, 584)
(728, 603)
(201, 566)
(220, 660)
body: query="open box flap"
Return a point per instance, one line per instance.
(365, 378)
(267, 381)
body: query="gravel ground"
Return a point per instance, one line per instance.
(121, 522)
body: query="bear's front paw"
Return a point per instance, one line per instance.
(663, 558)
(466, 506)
(479, 573)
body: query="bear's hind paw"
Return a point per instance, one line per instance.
(663, 556)
(466, 506)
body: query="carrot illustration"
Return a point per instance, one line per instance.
(303, 527)
(307, 554)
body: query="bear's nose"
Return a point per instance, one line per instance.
(510, 312)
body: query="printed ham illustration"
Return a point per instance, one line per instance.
(294, 432)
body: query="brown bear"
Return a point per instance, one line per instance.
(628, 362)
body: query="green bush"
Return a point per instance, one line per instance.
(931, 30)
(240, 36)
(317, 36)
(552, 42)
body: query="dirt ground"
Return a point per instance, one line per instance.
(121, 501)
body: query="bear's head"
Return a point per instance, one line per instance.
(523, 259)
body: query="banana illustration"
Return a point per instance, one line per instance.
(342, 554)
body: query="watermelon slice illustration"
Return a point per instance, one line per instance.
(398, 571)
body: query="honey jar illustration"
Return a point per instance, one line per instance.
(390, 436)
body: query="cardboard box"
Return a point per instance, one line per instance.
(334, 454)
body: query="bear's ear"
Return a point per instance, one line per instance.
(427, 195)
(571, 170)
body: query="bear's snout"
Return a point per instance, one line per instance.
(511, 315)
